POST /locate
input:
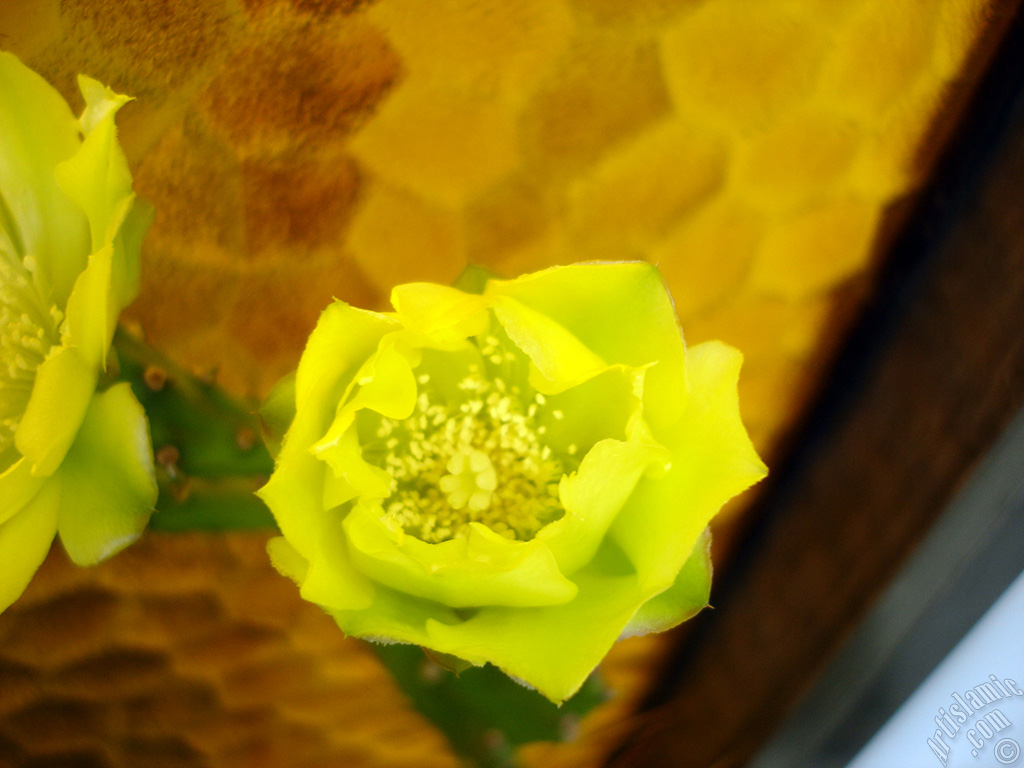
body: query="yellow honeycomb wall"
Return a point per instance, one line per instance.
(298, 150)
(302, 149)
(749, 149)
(187, 651)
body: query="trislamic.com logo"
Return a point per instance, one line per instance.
(965, 715)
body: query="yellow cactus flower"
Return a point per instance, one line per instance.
(518, 476)
(72, 459)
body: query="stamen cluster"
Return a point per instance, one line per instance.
(481, 459)
(27, 333)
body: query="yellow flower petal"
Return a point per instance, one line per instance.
(482, 569)
(39, 132)
(64, 386)
(516, 477)
(712, 461)
(560, 360)
(17, 488)
(91, 316)
(70, 231)
(623, 313)
(444, 315)
(553, 649)
(24, 541)
(107, 481)
(593, 496)
(687, 596)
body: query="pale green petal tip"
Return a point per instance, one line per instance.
(101, 103)
(438, 311)
(687, 596)
(286, 560)
(96, 178)
(717, 366)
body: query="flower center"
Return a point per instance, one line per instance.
(481, 459)
(471, 481)
(27, 332)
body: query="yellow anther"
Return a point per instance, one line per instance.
(28, 330)
(479, 459)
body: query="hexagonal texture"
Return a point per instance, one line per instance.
(162, 657)
(381, 142)
(189, 651)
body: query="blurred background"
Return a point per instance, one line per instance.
(767, 156)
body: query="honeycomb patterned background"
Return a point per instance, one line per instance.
(299, 150)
